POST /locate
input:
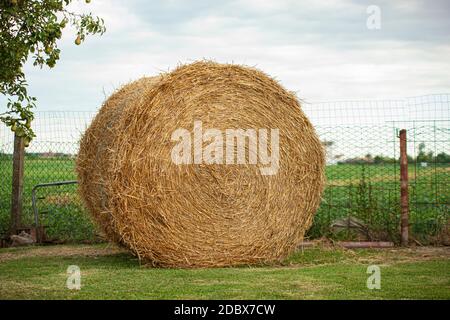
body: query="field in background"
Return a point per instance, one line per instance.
(60, 208)
(316, 273)
(365, 192)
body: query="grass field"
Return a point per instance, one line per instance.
(316, 273)
(368, 192)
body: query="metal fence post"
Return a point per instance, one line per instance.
(404, 197)
(17, 183)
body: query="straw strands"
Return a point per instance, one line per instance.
(202, 213)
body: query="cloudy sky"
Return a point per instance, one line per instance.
(323, 50)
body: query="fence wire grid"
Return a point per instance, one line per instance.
(361, 200)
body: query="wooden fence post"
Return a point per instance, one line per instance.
(17, 183)
(404, 197)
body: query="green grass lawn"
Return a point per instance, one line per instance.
(316, 273)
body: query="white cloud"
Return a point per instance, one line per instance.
(320, 49)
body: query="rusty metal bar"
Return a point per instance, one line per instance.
(404, 196)
(365, 244)
(352, 244)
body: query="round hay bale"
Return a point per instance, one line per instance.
(94, 154)
(161, 172)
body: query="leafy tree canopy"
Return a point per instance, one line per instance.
(33, 28)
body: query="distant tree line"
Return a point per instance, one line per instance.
(422, 156)
(38, 155)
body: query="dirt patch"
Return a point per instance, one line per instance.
(400, 255)
(60, 251)
(385, 256)
(323, 251)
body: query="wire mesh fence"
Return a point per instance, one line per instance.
(362, 197)
(429, 179)
(50, 157)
